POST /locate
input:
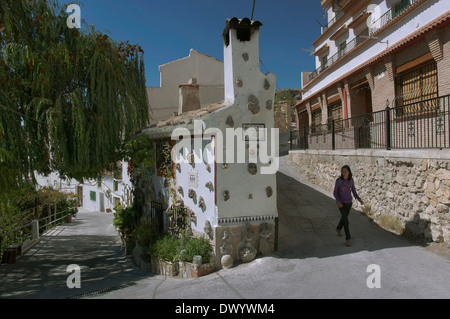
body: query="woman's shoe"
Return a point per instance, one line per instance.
(348, 242)
(339, 232)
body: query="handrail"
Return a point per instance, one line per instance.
(31, 233)
(332, 21)
(422, 124)
(14, 230)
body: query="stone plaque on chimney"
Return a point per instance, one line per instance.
(193, 178)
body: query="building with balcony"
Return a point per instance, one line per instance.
(372, 55)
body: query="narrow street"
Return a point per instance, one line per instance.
(312, 262)
(90, 241)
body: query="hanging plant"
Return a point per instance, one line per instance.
(69, 97)
(140, 152)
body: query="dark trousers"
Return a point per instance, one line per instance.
(345, 210)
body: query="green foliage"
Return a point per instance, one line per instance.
(287, 95)
(166, 162)
(180, 220)
(125, 221)
(167, 248)
(140, 151)
(147, 233)
(174, 249)
(196, 246)
(64, 202)
(27, 204)
(69, 95)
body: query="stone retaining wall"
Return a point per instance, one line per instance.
(161, 267)
(405, 191)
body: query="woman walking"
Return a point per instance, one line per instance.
(343, 190)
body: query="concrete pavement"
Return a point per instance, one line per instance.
(312, 262)
(90, 241)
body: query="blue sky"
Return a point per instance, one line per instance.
(168, 29)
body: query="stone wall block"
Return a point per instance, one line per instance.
(417, 191)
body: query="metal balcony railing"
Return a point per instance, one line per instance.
(366, 33)
(423, 124)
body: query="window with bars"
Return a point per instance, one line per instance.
(417, 89)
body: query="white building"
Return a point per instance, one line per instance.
(95, 195)
(208, 73)
(231, 202)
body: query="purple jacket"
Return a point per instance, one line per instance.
(343, 189)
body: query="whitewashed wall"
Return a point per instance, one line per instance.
(124, 190)
(243, 78)
(204, 176)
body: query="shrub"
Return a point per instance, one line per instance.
(147, 233)
(28, 203)
(125, 221)
(166, 248)
(197, 246)
(172, 249)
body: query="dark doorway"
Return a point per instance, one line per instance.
(361, 115)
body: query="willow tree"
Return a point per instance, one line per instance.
(68, 97)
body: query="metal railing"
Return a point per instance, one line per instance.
(332, 21)
(423, 124)
(33, 230)
(17, 235)
(53, 220)
(178, 220)
(157, 214)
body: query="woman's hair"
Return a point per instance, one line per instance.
(350, 175)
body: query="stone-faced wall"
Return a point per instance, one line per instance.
(409, 188)
(243, 241)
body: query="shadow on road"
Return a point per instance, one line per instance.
(307, 223)
(42, 272)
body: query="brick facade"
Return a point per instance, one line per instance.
(371, 87)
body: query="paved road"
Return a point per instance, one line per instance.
(312, 262)
(90, 241)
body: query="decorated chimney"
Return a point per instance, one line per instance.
(227, 155)
(246, 193)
